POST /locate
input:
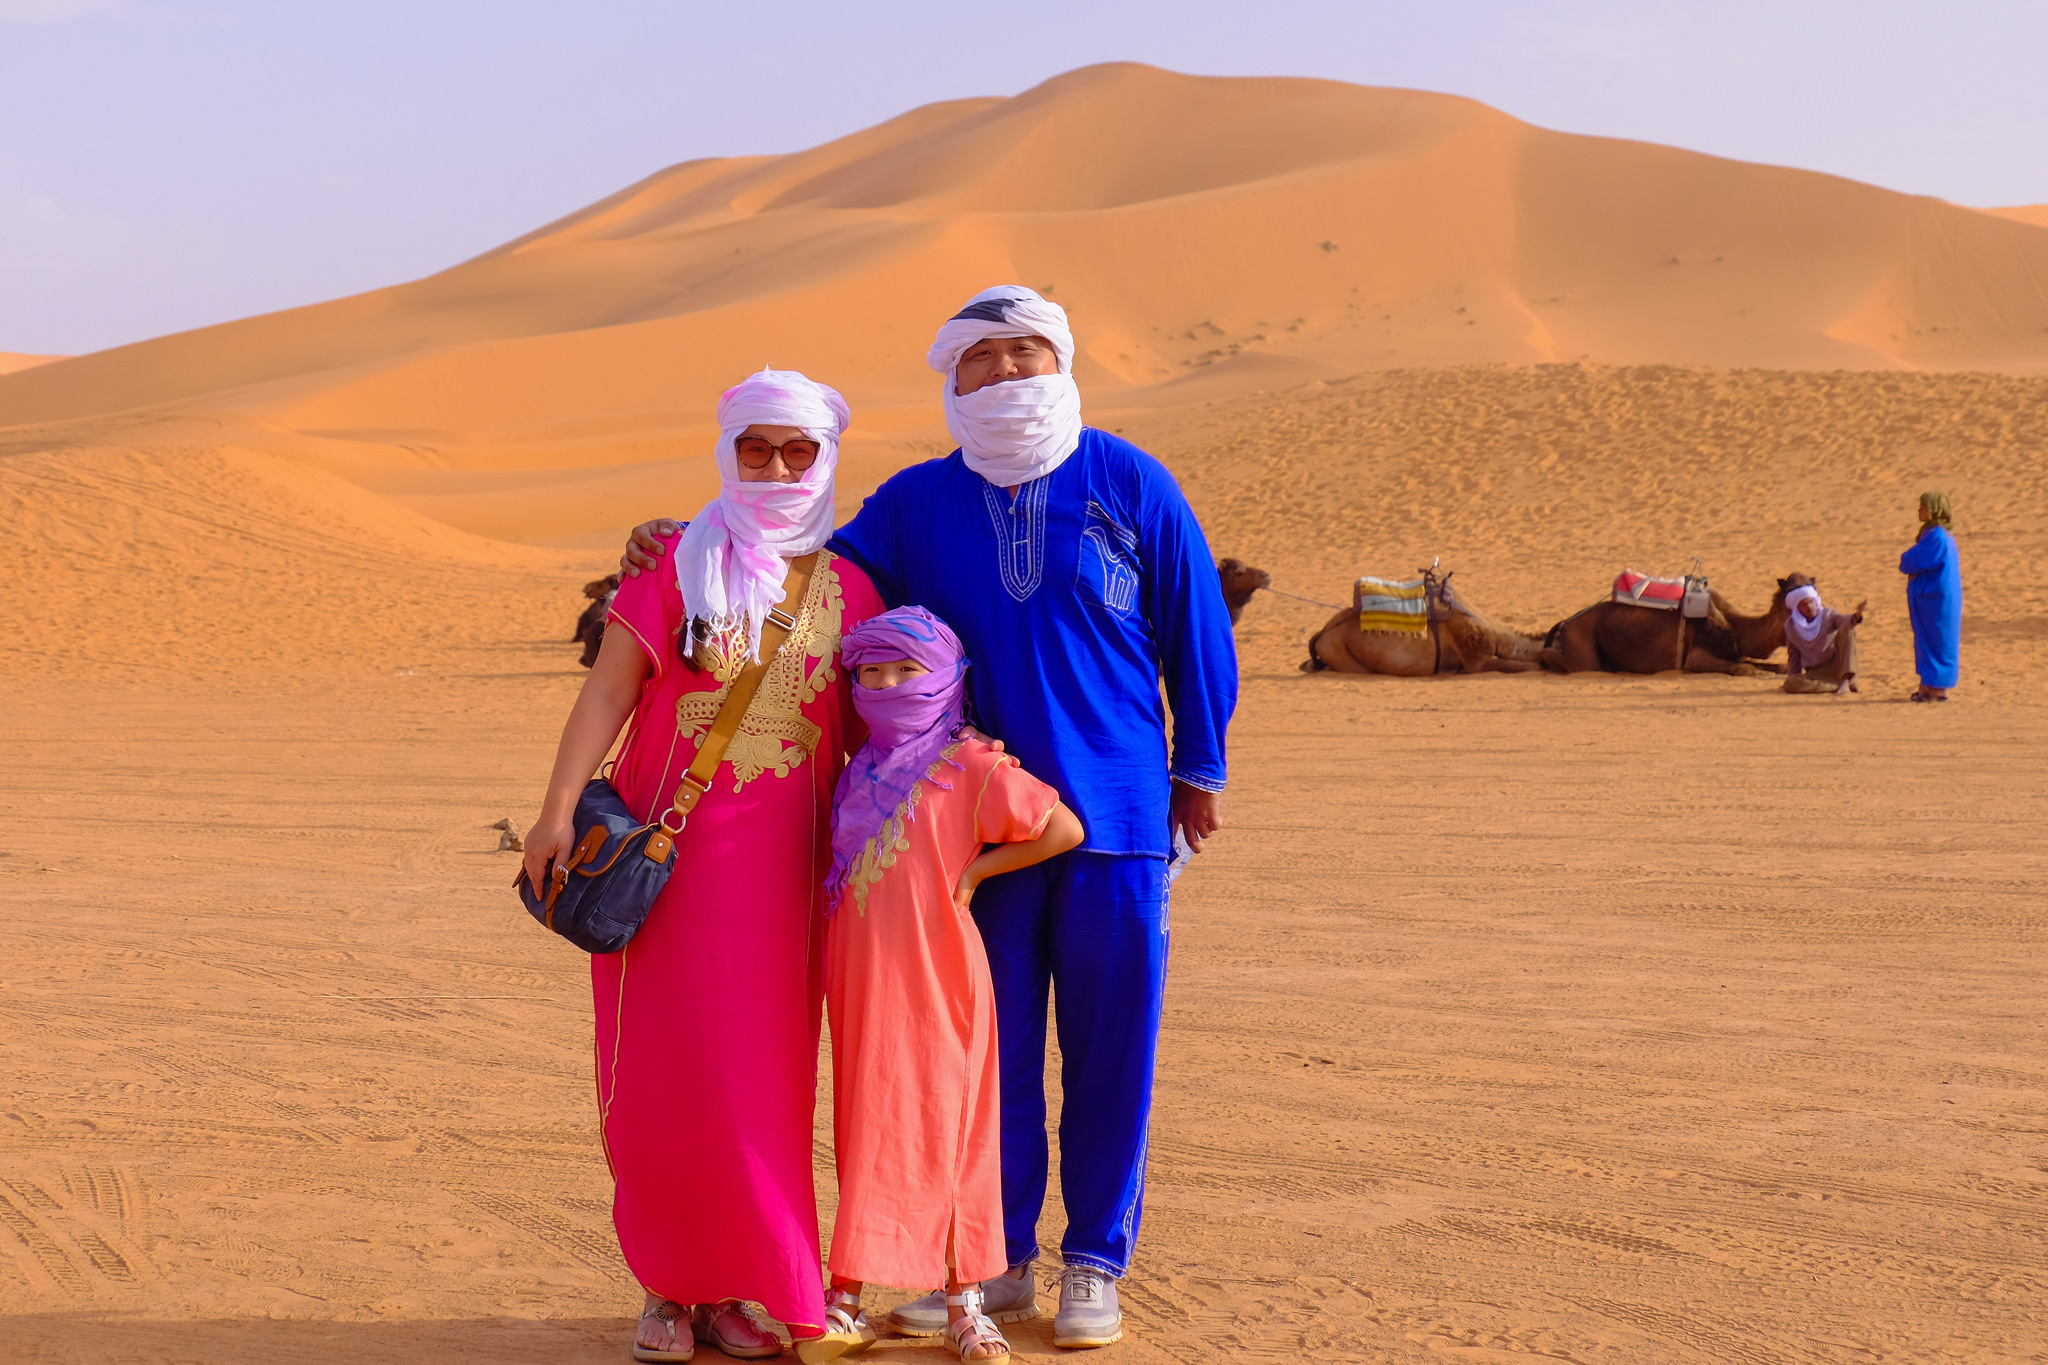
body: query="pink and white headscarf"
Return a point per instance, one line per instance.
(730, 562)
(1021, 429)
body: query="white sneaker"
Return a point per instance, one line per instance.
(1089, 1315)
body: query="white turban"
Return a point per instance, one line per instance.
(1020, 429)
(729, 563)
(1807, 631)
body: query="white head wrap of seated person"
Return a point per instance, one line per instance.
(1807, 631)
(1018, 430)
(729, 563)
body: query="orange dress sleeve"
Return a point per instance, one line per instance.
(1014, 805)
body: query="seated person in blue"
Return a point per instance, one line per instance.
(1077, 578)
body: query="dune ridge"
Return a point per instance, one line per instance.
(1242, 232)
(194, 564)
(2036, 214)
(1211, 236)
(12, 362)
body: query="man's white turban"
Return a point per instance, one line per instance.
(1020, 429)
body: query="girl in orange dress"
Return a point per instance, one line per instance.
(925, 811)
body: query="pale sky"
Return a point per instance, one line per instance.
(166, 164)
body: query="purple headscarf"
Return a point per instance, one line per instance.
(909, 727)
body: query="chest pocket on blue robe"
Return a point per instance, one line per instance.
(1107, 575)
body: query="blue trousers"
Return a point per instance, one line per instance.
(1092, 927)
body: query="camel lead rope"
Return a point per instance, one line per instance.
(1299, 598)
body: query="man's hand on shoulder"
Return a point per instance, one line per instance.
(644, 548)
(1197, 814)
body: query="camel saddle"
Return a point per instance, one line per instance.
(1400, 606)
(1686, 594)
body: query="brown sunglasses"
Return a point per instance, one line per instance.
(756, 451)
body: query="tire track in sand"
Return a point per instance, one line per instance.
(579, 1243)
(43, 1247)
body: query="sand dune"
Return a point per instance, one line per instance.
(210, 562)
(1210, 235)
(1658, 1019)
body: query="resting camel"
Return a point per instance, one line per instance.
(590, 625)
(1240, 581)
(1615, 637)
(1470, 643)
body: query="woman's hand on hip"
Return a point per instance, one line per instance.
(550, 840)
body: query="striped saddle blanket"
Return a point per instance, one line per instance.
(1390, 604)
(1641, 590)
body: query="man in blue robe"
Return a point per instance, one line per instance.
(1934, 600)
(1073, 570)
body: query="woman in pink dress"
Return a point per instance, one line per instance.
(708, 1021)
(916, 1105)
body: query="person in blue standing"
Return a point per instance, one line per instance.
(1934, 600)
(1078, 580)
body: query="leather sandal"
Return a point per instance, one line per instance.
(974, 1329)
(846, 1330)
(678, 1343)
(737, 1329)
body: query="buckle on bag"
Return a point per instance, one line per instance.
(782, 618)
(688, 793)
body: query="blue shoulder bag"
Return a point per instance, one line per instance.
(600, 896)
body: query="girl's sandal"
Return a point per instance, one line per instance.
(973, 1329)
(846, 1331)
(677, 1345)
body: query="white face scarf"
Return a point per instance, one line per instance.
(730, 562)
(1022, 429)
(1807, 631)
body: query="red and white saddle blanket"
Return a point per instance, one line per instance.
(1641, 590)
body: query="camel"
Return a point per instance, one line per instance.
(590, 625)
(1462, 641)
(1240, 581)
(1617, 637)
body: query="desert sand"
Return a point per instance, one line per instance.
(1613, 1019)
(11, 361)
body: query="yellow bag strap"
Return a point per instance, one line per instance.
(774, 631)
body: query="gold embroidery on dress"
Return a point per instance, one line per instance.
(723, 651)
(879, 854)
(775, 737)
